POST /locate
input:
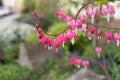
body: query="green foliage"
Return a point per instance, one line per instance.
(13, 72)
(11, 52)
(98, 3)
(75, 3)
(33, 38)
(50, 71)
(23, 16)
(54, 70)
(89, 51)
(103, 2)
(115, 70)
(40, 6)
(57, 27)
(29, 6)
(1, 45)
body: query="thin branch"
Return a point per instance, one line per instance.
(108, 27)
(58, 33)
(82, 8)
(100, 65)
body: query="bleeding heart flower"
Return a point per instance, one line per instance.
(76, 61)
(85, 63)
(35, 28)
(99, 32)
(61, 37)
(91, 33)
(40, 35)
(61, 15)
(98, 51)
(108, 36)
(40, 30)
(47, 42)
(84, 26)
(83, 18)
(73, 36)
(117, 38)
(72, 24)
(92, 12)
(108, 11)
(57, 44)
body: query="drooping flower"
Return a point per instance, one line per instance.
(85, 63)
(92, 12)
(84, 26)
(46, 41)
(83, 18)
(73, 36)
(117, 38)
(99, 32)
(49, 44)
(98, 51)
(35, 28)
(68, 37)
(72, 24)
(40, 30)
(78, 25)
(57, 44)
(61, 15)
(91, 33)
(61, 37)
(108, 11)
(40, 35)
(76, 61)
(108, 36)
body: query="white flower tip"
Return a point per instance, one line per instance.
(108, 18)
(78, 66)
(89, 38)
(98, 55)
(34, 30)
(72, 41)
(92, 20)
(118, 42)
(63, 45)
(76, 30)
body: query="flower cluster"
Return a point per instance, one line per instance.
(106, 11)
(79, 62)
(80, 25)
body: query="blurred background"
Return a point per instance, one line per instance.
(22, 58)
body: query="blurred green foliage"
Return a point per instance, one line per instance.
(29, 6)
(11, 53)
(13, 72)
(1, 45)
(40, 6)
(57, 27)
(33, 38)
(54, 71)
(50, 71)
(115, 70)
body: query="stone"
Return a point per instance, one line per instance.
(33, 55)
(83, 74)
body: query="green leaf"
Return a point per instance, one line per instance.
(98, 3)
